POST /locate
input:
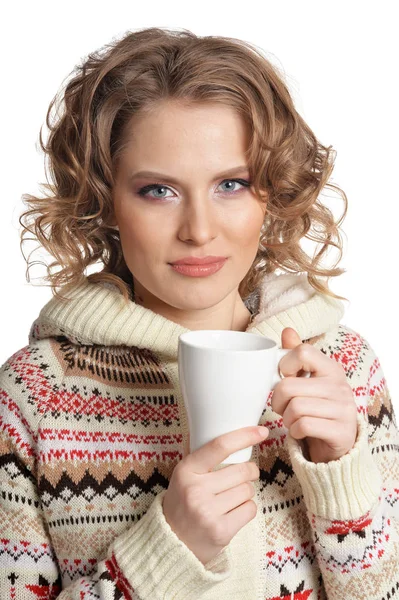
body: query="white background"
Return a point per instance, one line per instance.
(340, 60)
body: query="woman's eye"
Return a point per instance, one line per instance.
(241, 182)
(144, 191)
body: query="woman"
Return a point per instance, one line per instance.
(100, 495)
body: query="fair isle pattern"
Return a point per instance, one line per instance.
(125, 366)
(323, 541)
(90, 436)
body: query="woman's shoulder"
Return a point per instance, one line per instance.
(29, 376)
(349, 347)
(339, 332)
(33, 354)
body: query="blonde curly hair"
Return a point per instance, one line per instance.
(131, 75)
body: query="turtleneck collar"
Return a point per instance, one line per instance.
(96, 313)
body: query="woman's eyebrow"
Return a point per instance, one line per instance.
(152, 174)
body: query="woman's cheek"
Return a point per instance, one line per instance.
(247, 231)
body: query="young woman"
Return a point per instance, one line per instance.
(169, 150)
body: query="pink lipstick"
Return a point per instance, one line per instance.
(198, 267)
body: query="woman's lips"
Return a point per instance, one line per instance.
(199, 270)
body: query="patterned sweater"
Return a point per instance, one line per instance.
(92, 424)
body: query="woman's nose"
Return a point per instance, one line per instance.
(198, 222)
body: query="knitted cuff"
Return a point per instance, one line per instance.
(158, 564)
(342, 489)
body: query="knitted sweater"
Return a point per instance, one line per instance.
(92, 424)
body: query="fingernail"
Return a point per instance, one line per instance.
(263, 431)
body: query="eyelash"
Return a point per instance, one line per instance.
(147, 188)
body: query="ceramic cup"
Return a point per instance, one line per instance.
(225, 378)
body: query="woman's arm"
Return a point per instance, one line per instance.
(146, 561)
(353, 502)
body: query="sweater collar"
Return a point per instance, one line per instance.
(95, 313)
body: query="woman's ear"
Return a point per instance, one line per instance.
(112, 223)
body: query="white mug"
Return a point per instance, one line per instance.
(225, 378)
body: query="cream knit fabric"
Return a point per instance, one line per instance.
(92, 425)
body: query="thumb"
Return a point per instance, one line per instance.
(290, 338)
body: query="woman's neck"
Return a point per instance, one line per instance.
(231, 314)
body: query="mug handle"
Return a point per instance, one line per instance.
(276, 376)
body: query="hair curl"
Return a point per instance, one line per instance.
(133, 75)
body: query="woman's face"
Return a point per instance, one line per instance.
(195, 209)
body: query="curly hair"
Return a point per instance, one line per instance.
(132, 75)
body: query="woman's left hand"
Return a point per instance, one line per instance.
(321, 409)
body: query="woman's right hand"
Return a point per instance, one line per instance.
(206, 509)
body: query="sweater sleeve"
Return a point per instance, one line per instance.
(353, 503)
(147, 561)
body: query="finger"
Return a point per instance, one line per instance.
(206, 458)
(317, 387)
(232, 476)
(308, 358)
(321, 429)
(231, 498)
(321, 408)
